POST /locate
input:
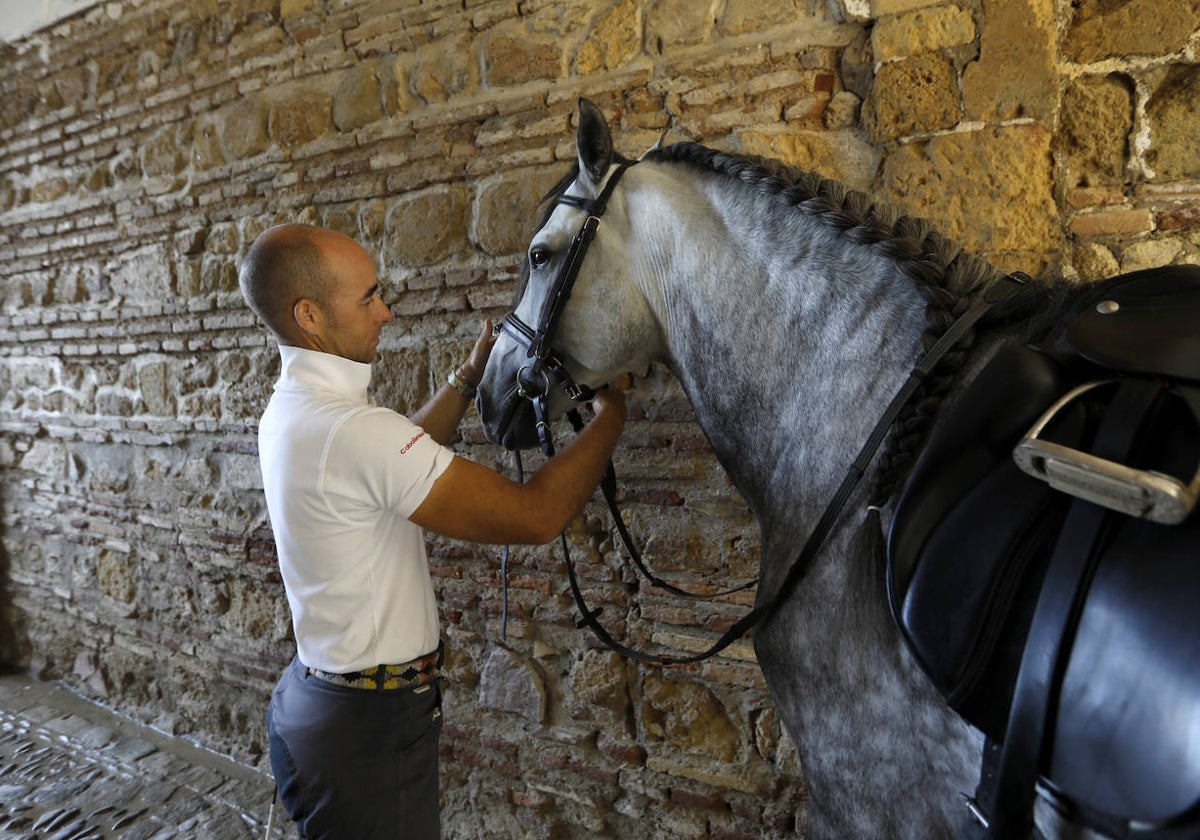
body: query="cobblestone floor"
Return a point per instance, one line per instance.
(73, 770)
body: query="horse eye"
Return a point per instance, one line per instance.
(538, 257)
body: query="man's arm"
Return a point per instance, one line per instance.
(471, 502)
(444, 411)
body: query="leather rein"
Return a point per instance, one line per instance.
(533, 384)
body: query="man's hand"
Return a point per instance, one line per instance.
(473, 367)
(612, 396)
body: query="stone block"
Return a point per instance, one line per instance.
(509, 682)
(1100, 29)
(357, 100)
(926, 30)
(162, 154)
(299, 117)
(612, 42)
(513, 60)
(1093, 261)
(915, 96)
(506, 210)
(843, 155)
(117, 575)
(883, 8)
(155, 386)
(742, 16)
(689, 716)
(141, 275)
(427, 227)
(439, 73)
(988, 190)
(676, 23)
(1150, 253)
(599, 678)
(1015, 75)
(244, 127)
(206, 143)
(1173, 112)
(1096, 127)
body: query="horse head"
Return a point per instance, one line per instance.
(580, 318)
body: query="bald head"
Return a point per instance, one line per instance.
(285, 264)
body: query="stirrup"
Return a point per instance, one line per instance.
(1146, 493)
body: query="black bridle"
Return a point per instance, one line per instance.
(533, 383)
(531, 376)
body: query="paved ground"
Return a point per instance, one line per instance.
(73, 770)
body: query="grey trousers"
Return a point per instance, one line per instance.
(352, 764)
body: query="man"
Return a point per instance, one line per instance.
(355, 720)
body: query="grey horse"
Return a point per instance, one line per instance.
(790, 309)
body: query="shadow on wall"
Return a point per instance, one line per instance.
(14, 649)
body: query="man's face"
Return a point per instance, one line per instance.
(355, 313)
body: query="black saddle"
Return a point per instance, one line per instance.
(1043, 599)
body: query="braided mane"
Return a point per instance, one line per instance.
(947, 278)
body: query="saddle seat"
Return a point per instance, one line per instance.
(974, 537)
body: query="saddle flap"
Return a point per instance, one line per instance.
(1127, 731)
(966, 528)
(1143, 323)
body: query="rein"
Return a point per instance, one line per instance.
(807, 554)
(537, 343)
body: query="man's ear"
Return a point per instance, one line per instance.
(308, 316)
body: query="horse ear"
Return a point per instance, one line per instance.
(593, 143)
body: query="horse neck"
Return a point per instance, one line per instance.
(788, 339)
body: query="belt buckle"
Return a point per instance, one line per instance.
(1144, 493)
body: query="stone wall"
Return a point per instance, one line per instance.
(144, 143)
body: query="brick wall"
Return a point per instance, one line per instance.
(144, 143)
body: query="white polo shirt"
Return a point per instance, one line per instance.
(341, 478)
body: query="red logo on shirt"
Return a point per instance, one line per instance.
(409, 445)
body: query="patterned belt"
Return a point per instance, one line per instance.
(412, 674)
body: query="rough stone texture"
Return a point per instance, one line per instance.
(509, 682)
(843, 156)
(915, 96)
(299, 118)
(509, 60)
(504, 215)
(1174, 116)
(1101, 29)
(676, 23)
(1009, 208)
(920, 31)
(1096, 130)
(357, 102)
(613, 41)
(1019, 33)
(144, 144)
(426, 228)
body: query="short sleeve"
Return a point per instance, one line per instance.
(378, 458)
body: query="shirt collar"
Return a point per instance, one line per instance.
(325, 371)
